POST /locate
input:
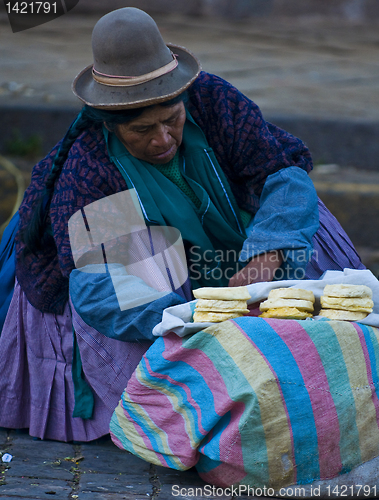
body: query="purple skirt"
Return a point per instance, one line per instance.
(36, 388)
(332, 248)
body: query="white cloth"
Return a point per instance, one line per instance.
(178, 319)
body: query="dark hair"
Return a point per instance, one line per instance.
(35, 235)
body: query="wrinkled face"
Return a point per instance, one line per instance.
(156, 134)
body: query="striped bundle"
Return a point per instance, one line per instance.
(255, 401)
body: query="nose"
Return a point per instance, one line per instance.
(161, 138)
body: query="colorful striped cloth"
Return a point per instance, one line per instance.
(259, 402)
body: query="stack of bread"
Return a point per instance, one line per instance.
(219, 304)
(346, 302)
(288, 303)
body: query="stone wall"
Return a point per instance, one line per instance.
(353, 10)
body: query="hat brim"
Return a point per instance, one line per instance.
(160, 89)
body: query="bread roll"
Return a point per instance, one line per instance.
(340, 315)
(213, 317)
(291, 293)
(285, 313)
(222, 293)
(302, 305)
(359, 291)
(347, 304)
(222, 305)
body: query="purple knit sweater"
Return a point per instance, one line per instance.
(247, 148)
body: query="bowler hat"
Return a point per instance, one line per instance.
(133, 67)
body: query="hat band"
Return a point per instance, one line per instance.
(129, 81)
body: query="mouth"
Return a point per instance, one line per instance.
(164, 154)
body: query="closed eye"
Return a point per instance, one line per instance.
(171, 120)
(141, 130)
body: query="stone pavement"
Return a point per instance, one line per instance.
(317, 77)
(89, 471)
(305, 67)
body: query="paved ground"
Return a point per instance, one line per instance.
(92, 471)
(309, 69)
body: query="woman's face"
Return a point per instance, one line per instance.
(156, 134)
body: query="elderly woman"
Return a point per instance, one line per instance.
(199, 158)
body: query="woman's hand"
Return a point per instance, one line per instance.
(260, 268)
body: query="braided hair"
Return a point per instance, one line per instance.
(37, 233)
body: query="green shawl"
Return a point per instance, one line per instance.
(213, 233)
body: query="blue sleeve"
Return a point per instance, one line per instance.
(286, 220)
(130, 315)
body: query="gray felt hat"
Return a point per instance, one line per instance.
(133, 67)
